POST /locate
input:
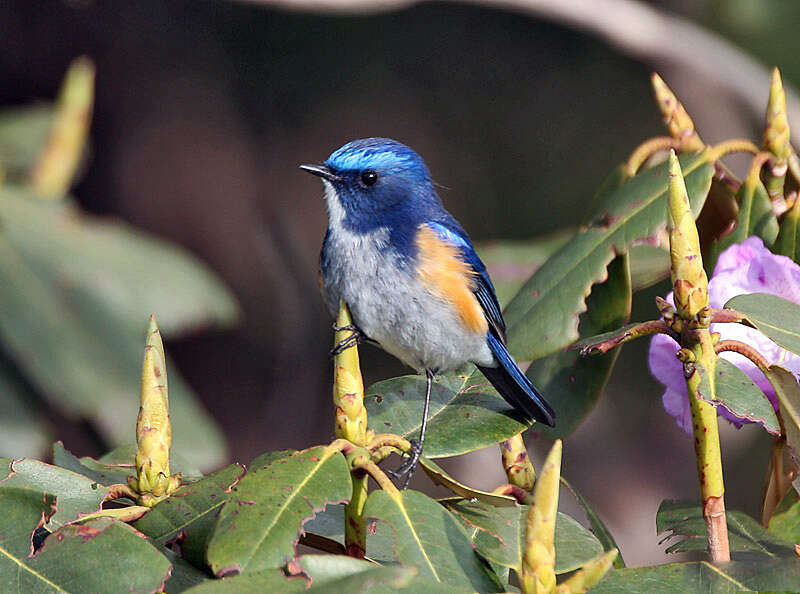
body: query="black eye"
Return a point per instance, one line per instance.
(369, 177)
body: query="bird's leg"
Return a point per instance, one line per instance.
(410, 465)
(355, 338)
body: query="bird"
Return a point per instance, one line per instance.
(411, 277)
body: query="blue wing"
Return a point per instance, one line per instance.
(484, 289)
(507, 378)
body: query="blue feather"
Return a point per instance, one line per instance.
(514, 386)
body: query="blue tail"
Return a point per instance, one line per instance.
(508, 379)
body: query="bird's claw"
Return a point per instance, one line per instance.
(406, 470)
(355, 338)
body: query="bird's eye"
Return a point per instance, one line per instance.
(369, 177)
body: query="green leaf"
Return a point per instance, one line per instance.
(788, 391)
(184, 575)
(755, 218)
(511, 263)
(741, 396)
(778, 318)
(701, 576)
(329, 524)
(126, 454)
(260, 523)
(23, 134)
(499, 535)
(338, 573)
(119, 269)
(649, 265)
(268, 458)
(98, 556)
(788, 241)
(597, 525)
(785, 522)
(101, 555)
(466, 413)
(188, 517)
(327, 573)
(543, 317)
(685, 518)
(47, 307)
(77, 495)
(571, 382)
(257, 582)
(21, 432)
(440, 477)
(22, 510)
(431, 539)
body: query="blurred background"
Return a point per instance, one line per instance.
(204, 109)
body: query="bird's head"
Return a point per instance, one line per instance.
(375, 182)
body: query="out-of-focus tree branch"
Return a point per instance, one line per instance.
(635, 29)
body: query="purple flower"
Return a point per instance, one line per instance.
(744, 268)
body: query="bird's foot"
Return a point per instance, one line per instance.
(355, 338)
(406, 470)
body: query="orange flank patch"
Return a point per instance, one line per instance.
(446, 275)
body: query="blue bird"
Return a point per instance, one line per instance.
(410, 275)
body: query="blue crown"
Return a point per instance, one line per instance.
(378, 154)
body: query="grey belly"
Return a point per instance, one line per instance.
(394, 309)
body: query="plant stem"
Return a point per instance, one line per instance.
(647, 149)
(516, 462)
(735, 145)
(706, 443)
(355, 528)
(351, 424)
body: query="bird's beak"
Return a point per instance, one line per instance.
(321, 170)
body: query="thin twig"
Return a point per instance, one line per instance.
(736, 346)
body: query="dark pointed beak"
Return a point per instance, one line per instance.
(321, 170)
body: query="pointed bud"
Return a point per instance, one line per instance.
(677, 121)
(689, 279)
(348, 387)
(538, 560)
(55, 169)
(517, 463)
(589, 575)
(153, 480)
(776, 134)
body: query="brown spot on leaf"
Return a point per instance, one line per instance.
(229, 571)
(87, 532)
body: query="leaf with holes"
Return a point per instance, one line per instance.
(187, 518)
(99, 556)
(466, 413)
(499, 535)
(543, 316)
(685, 518)
(77, 495)
(430, 538)
(260, 523)
(701, 576)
